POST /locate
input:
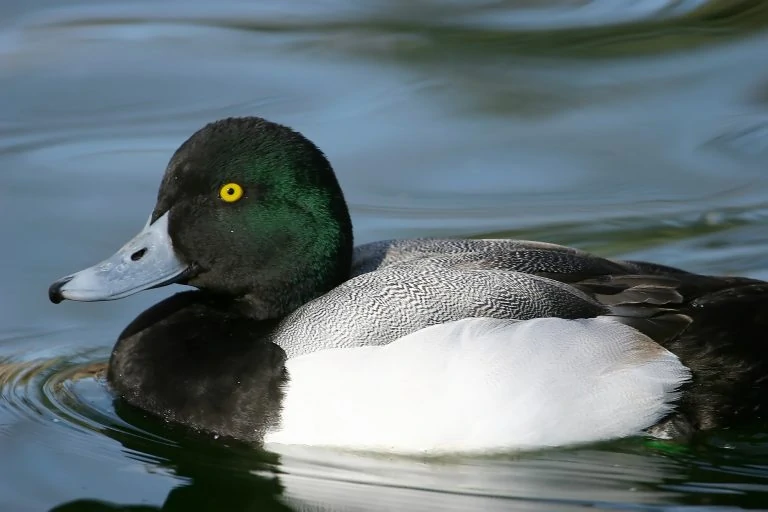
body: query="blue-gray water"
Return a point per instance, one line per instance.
(635, 128)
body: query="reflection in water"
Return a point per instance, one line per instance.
(630, 128)
(213, 477)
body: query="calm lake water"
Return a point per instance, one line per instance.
(633, 128)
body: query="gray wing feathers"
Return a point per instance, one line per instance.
(378, 307)
(517, 255)
(400, 286)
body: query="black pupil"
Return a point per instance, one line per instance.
(231, 191)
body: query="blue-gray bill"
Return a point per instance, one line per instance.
(146, 261)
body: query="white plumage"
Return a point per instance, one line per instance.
(482, 384)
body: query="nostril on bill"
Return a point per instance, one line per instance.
(138, 254)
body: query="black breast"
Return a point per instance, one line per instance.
(193, 359)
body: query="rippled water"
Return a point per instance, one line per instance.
(636, 128)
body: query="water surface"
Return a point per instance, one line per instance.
(633, 128)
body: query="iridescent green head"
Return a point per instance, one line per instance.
(246, 208)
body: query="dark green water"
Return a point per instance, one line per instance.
(634, 128)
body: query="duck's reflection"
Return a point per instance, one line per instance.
(217, 474)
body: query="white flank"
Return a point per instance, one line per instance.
(482, 385)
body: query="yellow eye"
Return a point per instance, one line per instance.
(231, 192)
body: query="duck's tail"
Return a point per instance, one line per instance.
(717, 326)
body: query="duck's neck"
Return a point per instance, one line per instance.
(295, 277)
(306, 256)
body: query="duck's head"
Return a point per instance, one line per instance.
(246, 208)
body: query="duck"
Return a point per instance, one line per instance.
(293, 335)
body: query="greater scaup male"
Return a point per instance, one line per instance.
(415, 346)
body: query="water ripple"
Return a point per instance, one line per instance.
(272, 15)
(66, 390)
(625, 27)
